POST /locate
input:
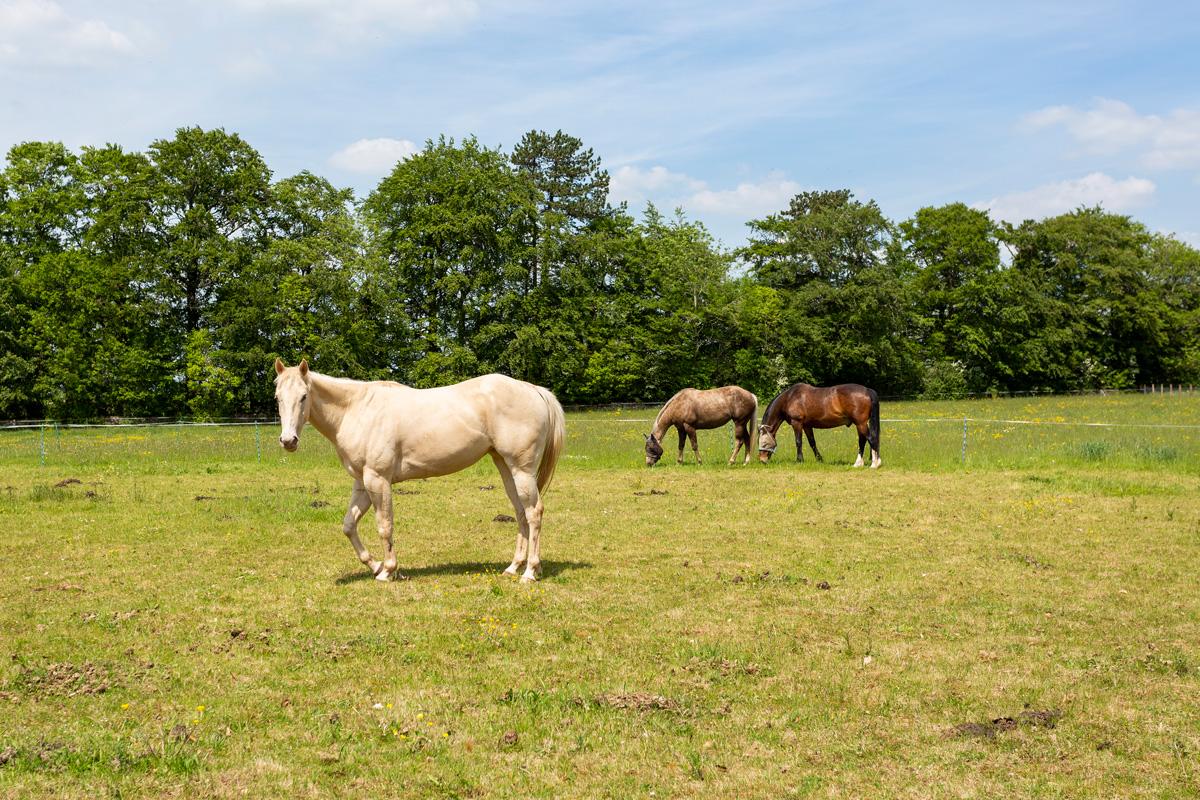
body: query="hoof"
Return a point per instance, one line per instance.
(527, 578)
(877, 465)
(512, 570)
(383, 575)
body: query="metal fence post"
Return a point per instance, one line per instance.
(257, 444)
(42, 446)
(964, 444)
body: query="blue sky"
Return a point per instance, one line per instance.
(725, 109)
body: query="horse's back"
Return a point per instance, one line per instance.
(711, 408)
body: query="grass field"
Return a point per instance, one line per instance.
(188, 620)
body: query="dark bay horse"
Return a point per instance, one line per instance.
(691, 410)
(806, 407)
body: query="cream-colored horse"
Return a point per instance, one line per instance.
(386, 432)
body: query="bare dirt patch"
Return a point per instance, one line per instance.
(65, 680)
(67, 482)
(652, 492)
(637, 701)
(1046, 718)
(504, 518)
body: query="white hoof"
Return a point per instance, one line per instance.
(512, 570)
(529, 577)
(383, 575)
(374, 566)
(858, 463)
(877, 465)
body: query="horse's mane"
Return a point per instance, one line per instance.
(666, 405)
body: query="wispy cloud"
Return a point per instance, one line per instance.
(373, 156)
(1111, 126)
(40, 32)
(1058, 198)
(365, 18)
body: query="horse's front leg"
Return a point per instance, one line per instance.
(381, 495)
(360, 503)
(812, 442)
(798, 429)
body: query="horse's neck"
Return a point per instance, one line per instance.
(776, 414)
(331, 399)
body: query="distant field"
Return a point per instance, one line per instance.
(188, 620)
(1149, 431)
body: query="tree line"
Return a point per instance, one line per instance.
(165, 282)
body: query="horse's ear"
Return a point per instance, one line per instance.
(279, 366)
(304, 368)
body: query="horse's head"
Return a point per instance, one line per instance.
(766, 444)
(291, 393)
(654, 450)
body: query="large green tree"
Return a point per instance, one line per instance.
(447, 238)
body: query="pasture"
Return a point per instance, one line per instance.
(180, 615)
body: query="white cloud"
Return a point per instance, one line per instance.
(1110, 127)
(636, 186)
(1059, 198)
(359, 18)
(747, 200)
(667, 189)
(41, 32)
(373, 156)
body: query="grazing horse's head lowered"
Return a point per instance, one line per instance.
(654, 450)
(766, 444)
(291, 393)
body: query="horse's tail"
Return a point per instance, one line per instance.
(554, 447)
(873, 421)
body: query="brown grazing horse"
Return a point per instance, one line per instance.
(691, 410)
(806, 407)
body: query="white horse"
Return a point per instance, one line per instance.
(386, 432)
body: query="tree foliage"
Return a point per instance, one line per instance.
(165, 282)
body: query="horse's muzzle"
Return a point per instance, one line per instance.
(290, 444)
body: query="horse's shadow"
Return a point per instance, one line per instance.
(549, 570)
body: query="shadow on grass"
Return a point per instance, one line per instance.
(549, 570)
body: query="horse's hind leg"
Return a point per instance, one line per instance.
(527, 492)
(812, 442)
(682, 442)
(862, 440)
(521, 551)
(360, 503)
(738, 431)
(691, 433)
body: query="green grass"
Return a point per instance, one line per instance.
(791, 630)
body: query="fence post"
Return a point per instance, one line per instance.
(964, 444)
(42, 446)
(257, 444)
